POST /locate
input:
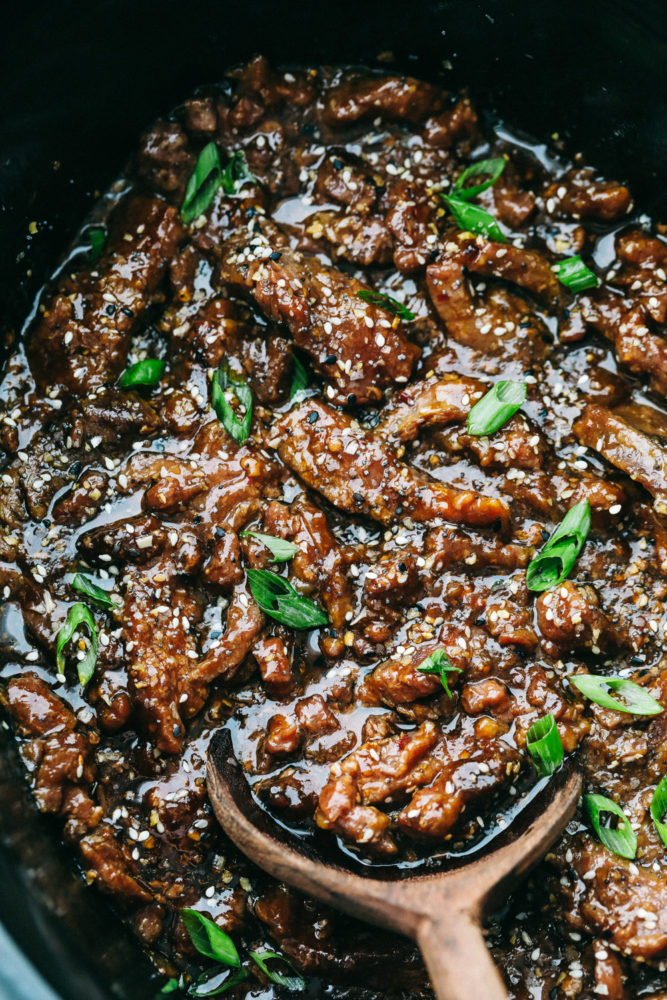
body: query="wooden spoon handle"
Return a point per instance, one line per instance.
(457, 959)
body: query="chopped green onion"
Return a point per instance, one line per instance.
(203, 183)
(473, 218)
(278, 599)
(622, 840)
(558, 556)
(495, 408)
(293, 981)
(169, 987)
(491, 168)
(78, 615)
(299, 377)
(574, 274)
(386, 302)
(635, 700)
(224, 382)
(209, 939)
(236, 173)
(97, 237)
(659, 808)
(148, 372)
(280, 549)
(212, 984)
(544, 745)
(84, 585)
(439, 663)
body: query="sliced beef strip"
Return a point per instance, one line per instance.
(619, 899)
(458, 127)
(498, 321)
(360, 239)
(639, 348)
(85, 328)
(430, 403)
(412, 221)
(394, 98)
(633, 439)
(160, 650)
(358, 473)
(352, 344)
(165, 159)
(36, 710)
(111, 414)
(570, 618)
(344, 179)
(641, 271)
(578, 194)
(517, 445)
(320, 561)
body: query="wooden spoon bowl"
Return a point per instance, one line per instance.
(442, 911)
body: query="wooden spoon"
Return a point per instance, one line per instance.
(442, 911)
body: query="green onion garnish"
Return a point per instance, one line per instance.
(236, 173)
(209, 939)
(97, 237)
(622, 840)
(278, 598)
(291, 981)
(212, 984)
(280, 549)
(299, 377)
(544, 745)
(77, 616)
(84, 585)
(439, 663)
(473, 218)
(169, 987)
(496, 407)
(225, 383)
(635, 700)
(491, 168)
(659, 808)
(574, 274)
(386, 302)
(203, 183)
(554, 562)
(148, 372)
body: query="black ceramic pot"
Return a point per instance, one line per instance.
(79, 80)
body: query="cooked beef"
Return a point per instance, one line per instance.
(335, 290)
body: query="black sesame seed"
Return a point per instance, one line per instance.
(358, 497)
(330, 359)
(351, 399)
(276, 255)
(313, 417)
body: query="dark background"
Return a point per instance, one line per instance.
(80, 79)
